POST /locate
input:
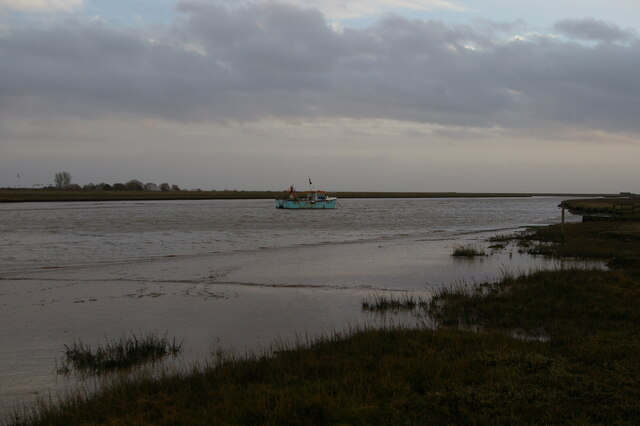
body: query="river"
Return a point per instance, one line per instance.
(232, 275)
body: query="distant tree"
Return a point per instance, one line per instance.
(150, 186)
(175, 188)
(89, 187)
(62, 180)
(165, 187)
(103, 186)
(74, 186)
(134, 185)
(119, 187)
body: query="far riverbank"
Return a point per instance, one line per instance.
(16, 195)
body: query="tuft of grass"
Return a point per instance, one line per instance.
(497, 246)
(502, 238)
(119, 353)
(383, 303)
(467, 251)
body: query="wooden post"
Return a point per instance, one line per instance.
(562, 225)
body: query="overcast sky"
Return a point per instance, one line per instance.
(434, 95)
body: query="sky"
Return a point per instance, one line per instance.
(389, 95)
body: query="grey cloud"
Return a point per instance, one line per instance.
(593, 29)
(274, 60)
(268, 47)
(96, 70)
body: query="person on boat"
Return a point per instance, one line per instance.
(293, 195)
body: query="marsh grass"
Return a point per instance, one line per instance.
(119, 353)
(467, 251)
(618, 243)
(542, 300)
(391, 302)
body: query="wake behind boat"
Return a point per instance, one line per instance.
(312, 199)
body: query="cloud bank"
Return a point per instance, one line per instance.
(40, 5)
(340, 9)
(350, 9)
(271, 60)
(593, 29)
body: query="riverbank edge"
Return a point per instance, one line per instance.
(606, 208)
(574, 362)
(45, 195)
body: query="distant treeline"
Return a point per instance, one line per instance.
(62, 181)
(132, 185)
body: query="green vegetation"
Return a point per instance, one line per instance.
(372, 377)
(616, 242)
(382, 303)
(554, 303)
(119, 353)
(553, 347)
(467, 251)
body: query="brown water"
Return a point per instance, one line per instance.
(233, 275)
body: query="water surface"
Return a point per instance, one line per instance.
(226, 274)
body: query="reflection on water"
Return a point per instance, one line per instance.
(232, 275)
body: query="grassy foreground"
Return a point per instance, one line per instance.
(574, 360)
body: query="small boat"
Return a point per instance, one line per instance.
(312, 199)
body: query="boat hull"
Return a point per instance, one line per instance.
(306, 204)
